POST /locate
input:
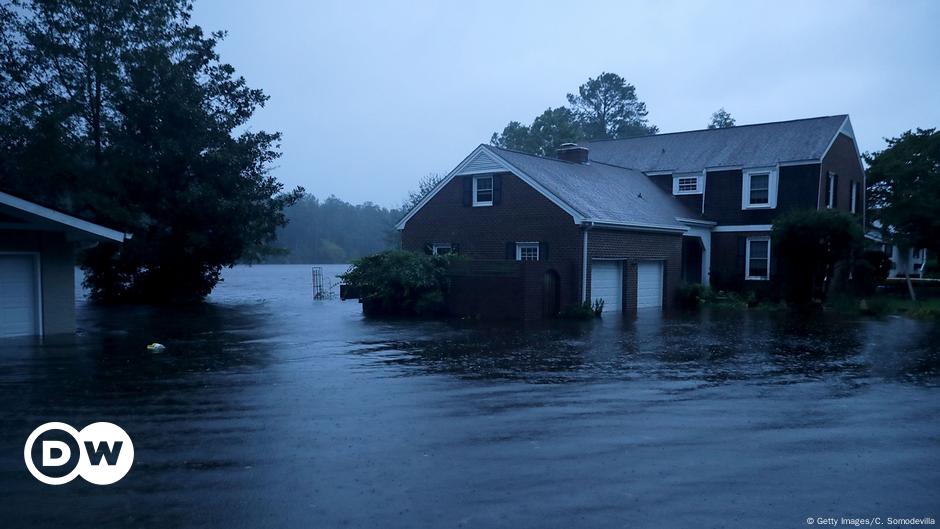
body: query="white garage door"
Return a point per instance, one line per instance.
(18, 287)
(607, 284)
(649, 284)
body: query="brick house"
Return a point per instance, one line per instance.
(628, 220)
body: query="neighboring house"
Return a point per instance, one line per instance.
(37, 266)
(905, 261)
(628, 220)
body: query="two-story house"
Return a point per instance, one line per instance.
(628, 220)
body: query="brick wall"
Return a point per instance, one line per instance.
(842, 160)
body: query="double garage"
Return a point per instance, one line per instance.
(608, 283)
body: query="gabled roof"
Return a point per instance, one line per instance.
(758, 145)
(602, 193)
(591, 193)
(32, 216)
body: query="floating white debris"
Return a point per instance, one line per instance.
(156, 347)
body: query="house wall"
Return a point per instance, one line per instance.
(482, 234)
(633, 247)
(842, 159)
(796, 189)
(57, 274)
(729, 253)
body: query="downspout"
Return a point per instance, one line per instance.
(584, 262)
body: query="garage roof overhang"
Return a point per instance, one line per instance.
(19, 214)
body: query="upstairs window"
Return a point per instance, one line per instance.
(527, 251)
(757, 264)
(687, 185)
(482, 190)
(759, 189)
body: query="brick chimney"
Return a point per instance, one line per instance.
(572, 152)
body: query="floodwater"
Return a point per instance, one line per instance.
(270, 409)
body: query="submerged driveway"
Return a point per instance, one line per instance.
(270, 409)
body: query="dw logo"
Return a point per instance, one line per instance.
(102, 453)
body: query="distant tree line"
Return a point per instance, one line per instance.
(334, 231)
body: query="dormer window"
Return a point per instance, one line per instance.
(759, 189)
(688, 184)
(482, 191)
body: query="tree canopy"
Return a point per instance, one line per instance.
(605, 107)
(904, 189)
(721, 119)
(123, 113)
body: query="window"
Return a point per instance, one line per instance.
(442, 248)
(757, 265)
(687, 184)
(854, 197)
(482, 190)
(760, 189)
(831, 179)
(527, 251)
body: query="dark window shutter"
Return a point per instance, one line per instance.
(826, 194)
(468, 191)
(835, 193)
(454, 248)
(859, 207)
(497, 189)
(543, 251)
(510, 250)
(742, 256)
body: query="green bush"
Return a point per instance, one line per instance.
(689, 295)
(582, 311)
(400, 283)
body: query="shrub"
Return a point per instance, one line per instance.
(400, 283)
(808, 244)
(689, 295)
(582, 311)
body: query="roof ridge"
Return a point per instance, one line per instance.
(539, 156)
(717, 129)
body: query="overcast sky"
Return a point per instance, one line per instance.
(371, 96)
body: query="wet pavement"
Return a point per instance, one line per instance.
(269, 409)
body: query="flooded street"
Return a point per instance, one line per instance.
(269, 409)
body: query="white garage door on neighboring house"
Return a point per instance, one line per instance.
(19, 306)
(607, 284)
(649, 284)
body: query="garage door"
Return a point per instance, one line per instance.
(649, 284)
(18, 304)
(607, 284)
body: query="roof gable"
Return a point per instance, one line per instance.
(33, 213)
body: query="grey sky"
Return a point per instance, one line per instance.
(371, 96)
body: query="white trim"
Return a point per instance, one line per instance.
(636, 226)
(792, 163)
(658, 173)
(584, 266)
(61, 218)
(831, 181)
(844, 128)
(718, 168)
(576, 216)
(696, 222)
(771, 173)
(699, 183)
(743, 228)
(747, 258)
(483, 203)
(705, 235)
(853, 200)
(529, 245)
(37, 259)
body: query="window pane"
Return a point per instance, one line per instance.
(485, 183)
(758, 268)
(529, 252)
(688, 184)
(760, 188)
(484, 189)
(759, 249)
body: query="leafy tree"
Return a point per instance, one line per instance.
(607, 107)
(123, 112)
(426, 184)
(548, 131)
(721, 119)
(904, 189)
(334, 231)
(808, 245)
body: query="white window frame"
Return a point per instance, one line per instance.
(479, 203)
(853, 200)
(698, 184)
(438, 246)
(771, 173)
(747, 258)
(831, 186)
(529, 246)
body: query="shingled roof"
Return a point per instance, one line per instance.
(756, 145)
(600, 192)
